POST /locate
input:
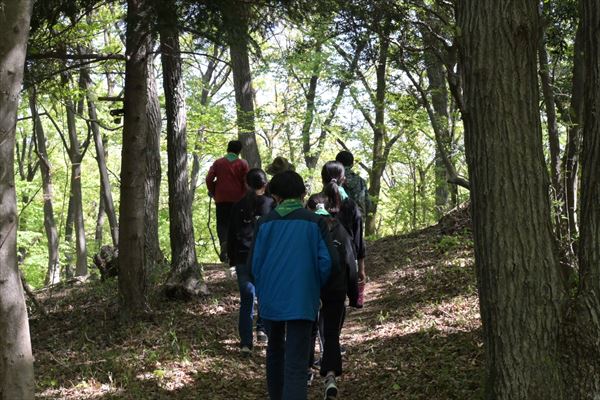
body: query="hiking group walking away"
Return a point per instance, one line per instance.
(302, 263)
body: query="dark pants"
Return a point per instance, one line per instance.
(223, 216)
(247, 294)
(331, 319)
(287, 357)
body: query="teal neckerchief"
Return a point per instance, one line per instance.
(231, 157)
(343, 194)
(287, 206)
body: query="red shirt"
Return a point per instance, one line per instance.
(226, 179)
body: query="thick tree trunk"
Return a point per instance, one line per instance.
(239, 13)
(69, 238)
(518, 273)
(153, 253)
(16, 359)
(105, 187)
(185, 278)
(132, 272)
(584, 353)
(75, 157)
(53, 273)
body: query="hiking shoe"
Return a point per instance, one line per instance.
(331, 389)
(246, 351)
(261, 337)
(342, 350)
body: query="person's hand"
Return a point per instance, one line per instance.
(362, 276)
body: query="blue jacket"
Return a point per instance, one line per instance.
(291, 259)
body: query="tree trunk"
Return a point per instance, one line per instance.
(570, 172)
(132, 272)
(105, 187)
(439, 101)
(75, 157)
(242, 80)
(69, 238)
(584, 353)
(379, 130)
(53, 273)
(518, 274)
(99, 235)
(153, 254)
(185, 279)
(16, 359)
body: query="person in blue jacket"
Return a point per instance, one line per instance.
(292, 257)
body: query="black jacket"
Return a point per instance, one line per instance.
(345, 281)
(351, 218)
(244, 215)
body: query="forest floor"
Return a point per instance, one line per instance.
(418, 336)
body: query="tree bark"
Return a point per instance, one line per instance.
(584, 353)
(16, 359)
(185, 279)
(239, 13)
(153, 254)
(53, 272)
(105, 186)
(518, 274)
(132, 272)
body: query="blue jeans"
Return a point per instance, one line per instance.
(247, 293)
(287, 358)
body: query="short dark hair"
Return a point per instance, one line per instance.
(287, 185)
(346, 158)
(234, 146)
(256, 179)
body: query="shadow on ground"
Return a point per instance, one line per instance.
(418, 336)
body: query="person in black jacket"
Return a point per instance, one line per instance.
(333, 295)
(244, 215)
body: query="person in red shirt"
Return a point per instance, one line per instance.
(226, 184)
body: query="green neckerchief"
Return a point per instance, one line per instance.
(343, 194)
(287, 206)
(322, 211)
(231, 157)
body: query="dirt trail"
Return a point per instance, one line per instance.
(418, 336)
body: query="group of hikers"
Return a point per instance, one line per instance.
(302, 261)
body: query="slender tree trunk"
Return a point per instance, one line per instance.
(570, 162)
(16, 359)
(99, 235)
(379, 131)
(105, 186)
(439, 101)
(132, 271)
(76, 157)
(153, 253)
(518, 274)
(69, 237)
(53, 273)
(185, 278)
(584, 353)
(242, 81)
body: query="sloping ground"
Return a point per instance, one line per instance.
(418, 336)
